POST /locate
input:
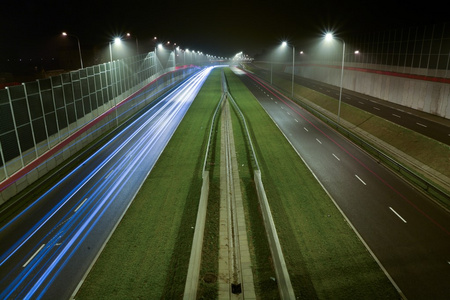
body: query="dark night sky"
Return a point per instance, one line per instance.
(32, 27)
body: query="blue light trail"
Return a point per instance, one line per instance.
(90, 205)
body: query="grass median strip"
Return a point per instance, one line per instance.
(262, 269)
(147, 256)
(325, 258)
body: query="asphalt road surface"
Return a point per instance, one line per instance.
(407, 232)
(429, 125)
(46, 250)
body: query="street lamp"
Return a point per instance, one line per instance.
(329, 37)
(79, 48)
(284, 44)
(117, 40)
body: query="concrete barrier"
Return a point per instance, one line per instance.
(192, 278)
(427, 94)
(283, 279)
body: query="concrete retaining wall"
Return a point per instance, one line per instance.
(424, 95)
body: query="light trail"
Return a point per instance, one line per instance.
(49, 248)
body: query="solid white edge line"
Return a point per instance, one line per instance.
(397, 214)
(34, 255)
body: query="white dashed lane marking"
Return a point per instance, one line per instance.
(360, 179)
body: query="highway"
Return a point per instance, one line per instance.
(46, 250)
(432, 126)
(407, 233)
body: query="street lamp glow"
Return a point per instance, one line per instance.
(284, 44)
(116, 40)
(328, 36)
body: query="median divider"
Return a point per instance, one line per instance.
(285, 288)
(284, 282)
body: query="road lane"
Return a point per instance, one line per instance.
(416, 253)
(401, 115)
(46, 250)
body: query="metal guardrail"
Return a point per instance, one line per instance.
(247, 135)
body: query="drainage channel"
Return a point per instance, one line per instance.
(235, 274)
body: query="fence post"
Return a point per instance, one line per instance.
(31, 121)
(56, 111)
(3, 161)
(15, 126)
(43, 114)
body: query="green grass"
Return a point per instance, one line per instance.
(209, 269)
(147, 256)
(324, 257)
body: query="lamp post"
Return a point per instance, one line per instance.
(173, 51)
(329, 37)
(284, 44)
(79, 47)
(117, 40)
(137, 43)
